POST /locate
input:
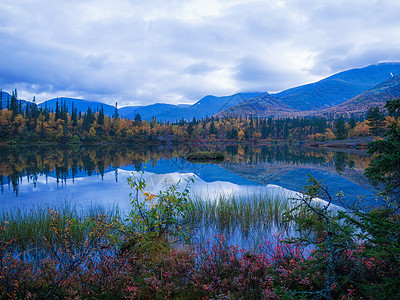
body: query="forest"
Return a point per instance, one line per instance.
(35, 124)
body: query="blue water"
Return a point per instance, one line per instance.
(109, 187)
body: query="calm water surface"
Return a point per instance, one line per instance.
(31, 176)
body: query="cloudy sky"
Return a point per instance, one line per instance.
(146, 51)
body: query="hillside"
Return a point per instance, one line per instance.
(265, 105)
(376, 96)
(329, 96)
(338, 88)
(205, 107)
(4, 97)
(146, 112)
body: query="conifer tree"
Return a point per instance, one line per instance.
(74, 116)
(212, 129)
(339, 128)
(100, 118)
(375, 121)
(34, 109)
(58, 111)
(385, 166)
(352, 123)
(138, 118)
(116, 114)
(14, 104)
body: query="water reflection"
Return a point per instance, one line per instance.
(287, 166)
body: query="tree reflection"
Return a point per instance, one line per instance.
(68, 163)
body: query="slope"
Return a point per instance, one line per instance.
(264, 105)
(337, 88)
(376, 96)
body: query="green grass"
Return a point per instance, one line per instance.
(243, 216)
(29, 230)
(256, 215)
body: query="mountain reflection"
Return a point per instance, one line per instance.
(248, 161)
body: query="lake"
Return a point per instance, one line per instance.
(50, 175)
(88, 176)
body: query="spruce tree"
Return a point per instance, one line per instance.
(58, 111)
(35, 112)
(100, 118)
(375, 121)
(384, 169)
(352, 123)
(212, 129)
(138, 118)
(74, 116)
(339, 129)
(14, 104)
(116, 114)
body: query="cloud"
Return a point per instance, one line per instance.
(142, 52)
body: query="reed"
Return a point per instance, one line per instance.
(33, 232)
(251, 215)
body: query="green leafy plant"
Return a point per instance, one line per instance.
(155, 219)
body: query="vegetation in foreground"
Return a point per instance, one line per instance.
(145, 256)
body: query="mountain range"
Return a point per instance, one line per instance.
(351, 91)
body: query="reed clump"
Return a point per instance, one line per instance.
(33, 232)
(257, 212)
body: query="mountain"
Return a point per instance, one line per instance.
(80, 104)
(205, 107)
(316, 98)
(338, 88)
(327, 96)
(4, 97)
(215, 104)
(264, 105)
(376, 96)
(146, 112)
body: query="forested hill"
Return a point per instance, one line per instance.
(338, 88)
(328, 95)
(376, 96)
(319, 97)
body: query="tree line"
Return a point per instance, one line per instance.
(63, 125)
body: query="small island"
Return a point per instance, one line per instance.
(205, 157)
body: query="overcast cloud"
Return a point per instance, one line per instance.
(142, 52)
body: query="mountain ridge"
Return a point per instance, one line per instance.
(350, 82)
(327, 95)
